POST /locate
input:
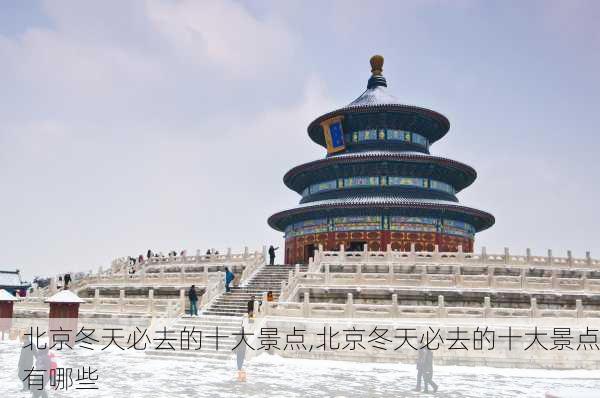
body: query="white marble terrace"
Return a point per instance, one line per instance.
(175, 272)
(424, 271)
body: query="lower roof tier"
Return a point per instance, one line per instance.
(386, 163)
(382, 205)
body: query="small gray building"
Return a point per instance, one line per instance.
(11, 281)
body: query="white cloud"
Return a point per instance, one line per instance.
(222, 34)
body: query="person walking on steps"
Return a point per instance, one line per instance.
(193, 296)
(251, 307)
(428, 370)
(420, 361)
(67, 280)
(229, 276)
(240, 353)
(272, 254)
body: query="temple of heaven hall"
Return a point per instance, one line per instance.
(378, 184)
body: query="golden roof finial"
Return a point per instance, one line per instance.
(376, 64)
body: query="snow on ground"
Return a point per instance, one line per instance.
(135, 374)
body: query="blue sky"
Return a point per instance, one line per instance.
(169, 124)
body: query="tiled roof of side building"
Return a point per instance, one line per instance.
(10, 278)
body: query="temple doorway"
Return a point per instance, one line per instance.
(309, 251)
(357, 246)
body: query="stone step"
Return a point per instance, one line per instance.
(192, 355)
(221, 313)
(206, 328)
(223, 323)
(212, 318)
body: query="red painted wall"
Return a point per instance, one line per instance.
(296, 248)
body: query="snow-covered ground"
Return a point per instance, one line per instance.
(134, 374)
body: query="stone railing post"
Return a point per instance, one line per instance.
(264, 255)
(457, 276)
(534, 308)
(395, 309)
(143, 272)
(264, 307)
(297, 269)
(388, 253)
(483, 255)
(182, 300)
(282, 289)
(441, 307)
(349, 310)
(359, 271)
(523, 278)
(306, 305)
(182, 273)
(506, 256)
(96, 299)
(570, 258)
(413, 254)
(246, 252)
(436, 252)
(424, 275)
(342, 254)
(99, 276)
(487, 307)
(554, 279)
(122, 301)
(52, 286)
(151, 302)
(228, 256)
(206, 277)
(588, 258)
(491, 278)
(290, 277)
(579, 308)
(584, 281)
(460, 254)
(327, 273)
(125, 272)
(528, 255)
(390, 271)
(550, 258)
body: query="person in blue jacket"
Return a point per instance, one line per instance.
(228, 279)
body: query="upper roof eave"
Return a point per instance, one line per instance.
(374, 108)
(352, 157)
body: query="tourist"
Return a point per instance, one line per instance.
(149, 254)
(229, 276)
(25, 360)
(269, 295)
(272, 254)
(67, 280)
(240, 353)
(208, 252)
(193, 300)
(43, 362)
(251, 307)
(428, 370)
(141, 259)
(420, 361)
